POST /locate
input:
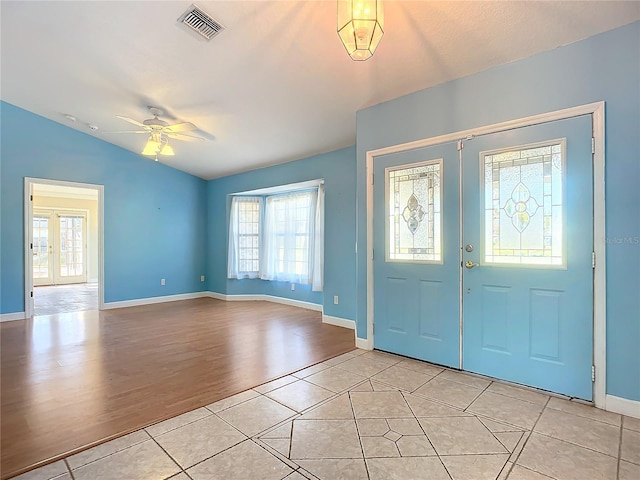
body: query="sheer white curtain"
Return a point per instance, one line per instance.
(317, 265)
(244, 237)
(284, 241)
(289, 227)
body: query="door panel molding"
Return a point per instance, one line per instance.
(597, 112)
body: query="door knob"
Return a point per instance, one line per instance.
(469, 264)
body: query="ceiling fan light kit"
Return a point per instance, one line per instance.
(159, 132)
(360, 27)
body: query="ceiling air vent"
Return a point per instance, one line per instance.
(198, 21)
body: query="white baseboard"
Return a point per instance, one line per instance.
(150, 300)
(9, 317)
(339, 322)
(265, 298)
(630, 408)
(364, 343)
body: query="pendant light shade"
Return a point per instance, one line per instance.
(152, 147)
(360, 27)
(167, 150)
(158, 144)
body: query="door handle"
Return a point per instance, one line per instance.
(469, 264)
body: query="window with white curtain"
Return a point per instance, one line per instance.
(244, 237)
(289, 236)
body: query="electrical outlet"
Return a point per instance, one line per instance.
(162, 281)
(293, 286)
(202, 278)
(335, 299)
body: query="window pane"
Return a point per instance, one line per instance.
(288, 230)
(40, 247)
(414, 219)
(523, 220)
(248, 229)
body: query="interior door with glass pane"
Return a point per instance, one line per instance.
(70, 258)
(42, 249)
(528, 243)
(416, 254)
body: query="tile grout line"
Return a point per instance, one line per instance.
(266, 429)
(180, 426)
(494, 436)
(73, 477)
(581, 415)
(172, 459)
(255, 442)
(208, 458)
(109, 454)
(575, 444)
(524, 445)
(258, 394)
(333, 396)
(425, 433)
(620, 447)
(355, 421)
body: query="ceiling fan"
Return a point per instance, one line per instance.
(160, 132)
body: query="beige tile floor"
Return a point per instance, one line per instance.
(372, 415)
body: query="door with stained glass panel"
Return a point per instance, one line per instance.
(527, 249)
(416, 254)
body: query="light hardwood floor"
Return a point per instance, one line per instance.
(74, 380)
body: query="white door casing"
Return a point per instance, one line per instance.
(28, 235)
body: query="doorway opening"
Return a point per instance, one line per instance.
(63, 233)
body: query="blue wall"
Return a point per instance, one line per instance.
(163, 223)
(605, 67)
(154, 216)
(339, 172)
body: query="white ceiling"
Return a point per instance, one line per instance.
(62, 191)
(276, 85)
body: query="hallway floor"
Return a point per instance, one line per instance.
(52, 299)
(372, 415)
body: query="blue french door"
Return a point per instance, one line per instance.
(416, 254)
(528, 279)
(520, 302)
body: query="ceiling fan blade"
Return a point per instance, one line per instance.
(129, 131)
(130, 120)
(180, 127)
(185, 137)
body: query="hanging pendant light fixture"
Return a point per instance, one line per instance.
(360, 27)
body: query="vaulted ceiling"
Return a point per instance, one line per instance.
(276, 85)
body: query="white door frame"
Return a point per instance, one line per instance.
(28, 236)
(597, 110)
